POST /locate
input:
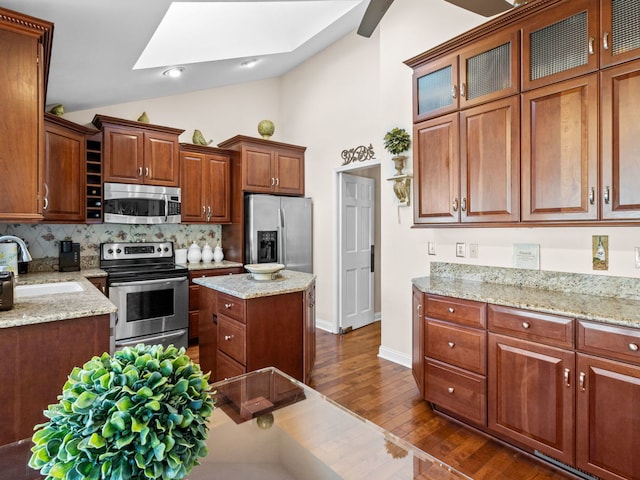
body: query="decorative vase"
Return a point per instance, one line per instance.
(218, 255)
(194, 254)
(398, 160)
(207, 253)
(266, 128)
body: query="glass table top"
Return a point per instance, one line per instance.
(268, 426)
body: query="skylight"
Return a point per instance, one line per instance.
(193, 32)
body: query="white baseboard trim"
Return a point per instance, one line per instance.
(326, 326)
(394, 356)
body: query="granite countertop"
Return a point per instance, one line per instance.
(212, 265)
(243, 286)
(614, 310)
(62, 306)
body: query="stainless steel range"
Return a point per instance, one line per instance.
(150, 291)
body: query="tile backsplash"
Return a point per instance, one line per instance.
(43, 239)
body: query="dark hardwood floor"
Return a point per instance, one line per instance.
(348, 371)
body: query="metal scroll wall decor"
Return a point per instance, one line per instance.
(357, 154)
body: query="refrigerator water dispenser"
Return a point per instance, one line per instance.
(267, 246)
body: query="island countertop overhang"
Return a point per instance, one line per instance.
(245, 287)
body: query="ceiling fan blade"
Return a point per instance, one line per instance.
(486, 8)
(372, 16)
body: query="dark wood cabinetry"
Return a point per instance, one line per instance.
(575, 163)
(136, 152)
(205, 182)
(455, 363)
(25, 48)
(36, 380)
(194, 295)
(418, 329)
(65, 171)
(240, 335)
(268, 166)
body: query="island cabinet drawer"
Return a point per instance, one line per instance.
(607, 340)
(231, 306)
(459, 346)
(463, 312)
(541, 327)
(227, 368)
(232, 339)
(457, 391)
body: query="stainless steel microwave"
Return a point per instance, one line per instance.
(141, 204)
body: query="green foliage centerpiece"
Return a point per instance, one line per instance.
(139, 414)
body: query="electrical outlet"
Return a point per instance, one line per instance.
(461, 249)
(431, 248)
(637, 257)
(473, 250)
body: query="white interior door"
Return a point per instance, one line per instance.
(357, 229)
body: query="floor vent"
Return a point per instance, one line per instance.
(564, 466)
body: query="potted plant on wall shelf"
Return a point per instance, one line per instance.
(139, 414)
(396, 142)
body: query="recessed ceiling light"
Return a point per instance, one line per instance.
(249, 63)
(174, 72)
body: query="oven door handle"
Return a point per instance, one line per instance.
(164, 336)
(148, 282)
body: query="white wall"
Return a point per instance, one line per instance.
(350, 95)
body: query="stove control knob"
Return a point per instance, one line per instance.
(118, 251)
(166, 249)
(110, 251)
(158, 250)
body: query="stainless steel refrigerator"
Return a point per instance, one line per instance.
(279, 229)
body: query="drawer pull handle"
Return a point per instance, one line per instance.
(228, 337)
(582, 381)
(526, 325)
(567, 373)
(451, 344)
(451, 389)
(228, 305)
(633, 347)
(451, 310)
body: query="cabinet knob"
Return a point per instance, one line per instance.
(454, 205)
(451, 344)
(139, 171)
(633, 347)
(591, 48)
(567, 377)
(454, 91)
(581, 380)
(526, 325)
(228, 337)
(605, 40)
(451, 310)
(451, 389)
(46, 196)
(146, 172)
(228, 305)
(607, 194)
(463, 205)
(592, 195)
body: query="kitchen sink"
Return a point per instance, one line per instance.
(23, 291)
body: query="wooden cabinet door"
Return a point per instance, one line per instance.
(560, 43)
(161, 159)
(608, 418)
(435, 88)
(193, 187)
(65, 175)
(208, 330)
(257, 174)
(560, 151)
(620, 141)
(22, 101)
(490, 162)
(489, 69)
(289, 173)
(123, 153)
(532, 394)
(619, 24)
(418, 339)
(217, 189)
(436, 167)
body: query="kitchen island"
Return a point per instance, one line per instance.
(246, 324)
(42, 338)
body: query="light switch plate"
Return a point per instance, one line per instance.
(461, 249)
(473, 250)
(431, 248)
(637, 249)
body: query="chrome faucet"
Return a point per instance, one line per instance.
(24, 251)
